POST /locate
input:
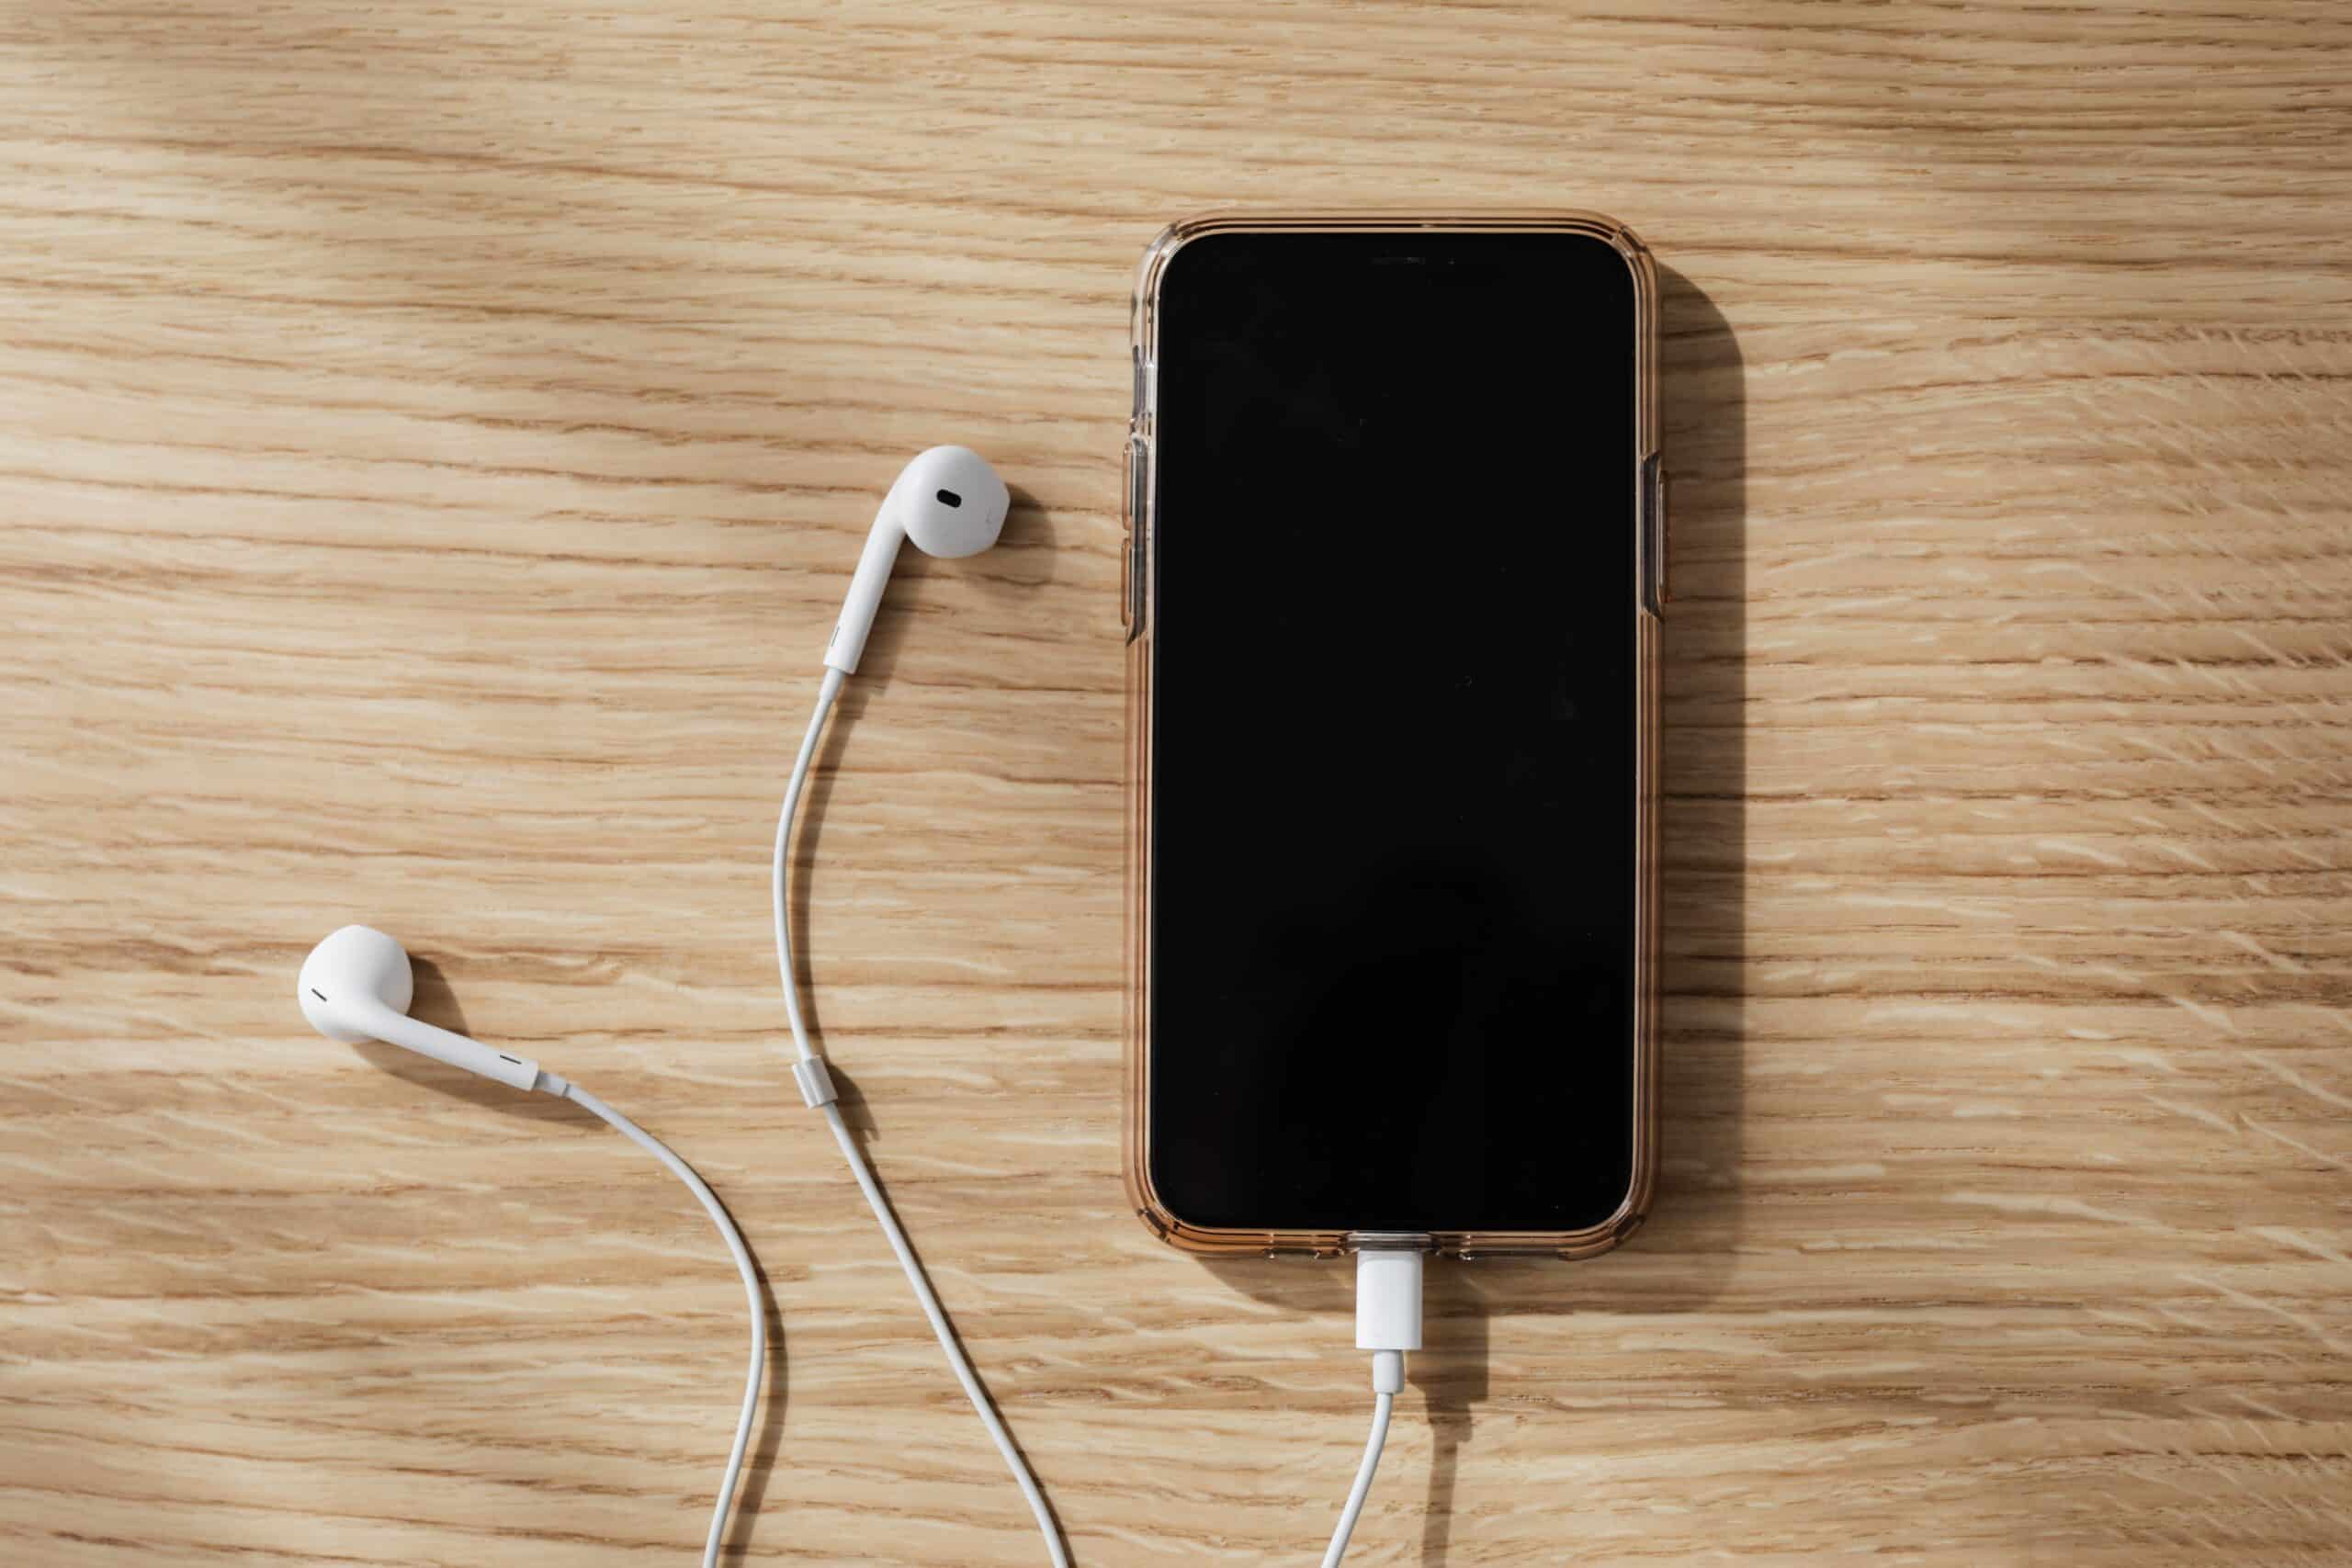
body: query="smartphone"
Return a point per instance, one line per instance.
(1394, 568)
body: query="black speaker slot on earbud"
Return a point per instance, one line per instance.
(949, 498)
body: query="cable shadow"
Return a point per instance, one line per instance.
(1053, 1514)
(1026, 526)
(800, 853)
(759, 1465)
(1452, 1373)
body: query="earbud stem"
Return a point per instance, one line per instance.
(865, 586)
(456, 1050)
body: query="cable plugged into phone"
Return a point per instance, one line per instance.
(1388, 1324)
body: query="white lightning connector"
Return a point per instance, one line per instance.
(1388, 1324)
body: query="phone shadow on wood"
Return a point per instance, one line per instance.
(1683, 1258)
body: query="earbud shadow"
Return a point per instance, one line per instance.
(434, 1000)
(1684, 1256)
(1008, 575)
(1023, 560)
(436, 1003)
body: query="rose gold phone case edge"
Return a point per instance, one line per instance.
(1136, 599)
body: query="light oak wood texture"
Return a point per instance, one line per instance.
(434, 440)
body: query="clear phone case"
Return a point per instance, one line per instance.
(1136, 602)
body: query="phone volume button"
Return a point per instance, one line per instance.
(1664, 538)
(1653, 536)
(1131, 564)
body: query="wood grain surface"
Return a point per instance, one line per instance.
(434, 440)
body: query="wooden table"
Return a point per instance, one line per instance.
(435, 441)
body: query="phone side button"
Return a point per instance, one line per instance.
(1128, 536)
(1131, 565)
(1665, 537)
(1652, 492)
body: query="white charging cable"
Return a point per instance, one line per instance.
(1388, 1324)
(817, 1089)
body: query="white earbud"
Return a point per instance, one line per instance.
(950, 502)
(357, 986)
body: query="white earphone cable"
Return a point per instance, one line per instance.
(1395, 1294)
(549, 1083)
(811, 1064)
(826, 693)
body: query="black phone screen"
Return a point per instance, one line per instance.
(1394, 792)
